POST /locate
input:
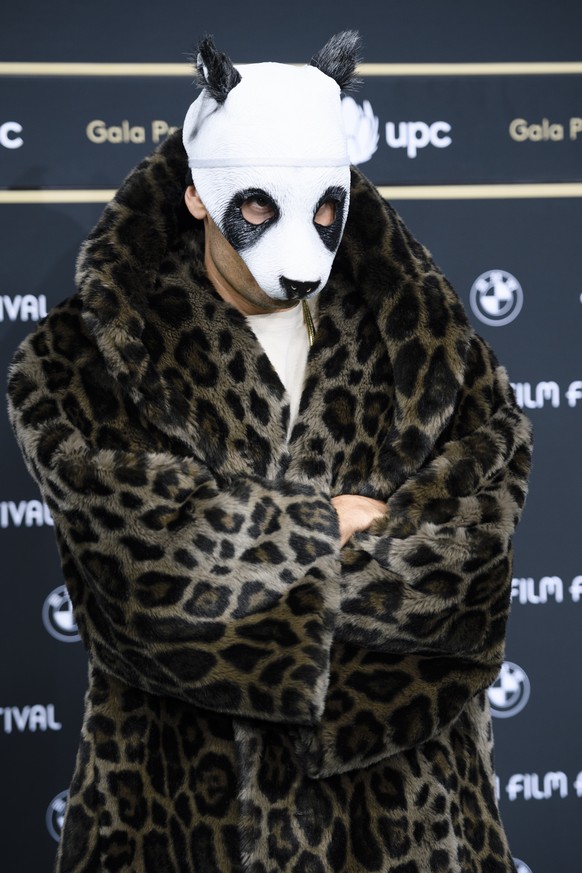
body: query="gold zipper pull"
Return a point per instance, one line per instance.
(308, 319)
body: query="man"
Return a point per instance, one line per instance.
(293, 591)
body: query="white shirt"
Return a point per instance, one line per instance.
(283, 335)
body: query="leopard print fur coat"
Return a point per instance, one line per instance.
(260, 700)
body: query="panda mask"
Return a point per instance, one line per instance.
(271, 135)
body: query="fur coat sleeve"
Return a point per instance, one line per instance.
(201, 551)
(182, 587)
(424, 596)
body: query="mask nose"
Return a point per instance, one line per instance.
(295, 290)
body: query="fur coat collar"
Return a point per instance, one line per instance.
(401, 300)
(259, 699)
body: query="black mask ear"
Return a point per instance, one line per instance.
(339, 57)
(215, 71)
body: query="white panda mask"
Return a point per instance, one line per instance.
(273, 133)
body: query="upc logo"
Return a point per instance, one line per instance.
(415, 135)
(9, 135)
(58, 617)
(361, 127)
(496, 297)
(510, 692)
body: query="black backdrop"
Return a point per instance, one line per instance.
(484, 161)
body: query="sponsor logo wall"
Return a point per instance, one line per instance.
(516, 263)
(408, 130)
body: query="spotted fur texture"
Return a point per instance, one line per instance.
(259, 700)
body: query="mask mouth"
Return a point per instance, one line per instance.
(295, 290)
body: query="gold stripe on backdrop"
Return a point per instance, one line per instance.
(389, 192)
(481, 192)
(501, 68)
(101, 195)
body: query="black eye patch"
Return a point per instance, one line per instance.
(331, 233)
(240, 233)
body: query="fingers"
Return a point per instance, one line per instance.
(356, 513)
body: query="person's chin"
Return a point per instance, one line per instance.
(279, 302)
(287, 302)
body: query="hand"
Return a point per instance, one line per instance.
(356, 513)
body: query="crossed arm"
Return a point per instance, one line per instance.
(255, 620)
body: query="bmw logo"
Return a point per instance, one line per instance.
(58, 618)
(496, 297)
(510, 692)
(55, 815)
